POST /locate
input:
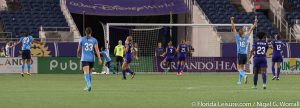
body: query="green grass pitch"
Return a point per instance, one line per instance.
(145, 91)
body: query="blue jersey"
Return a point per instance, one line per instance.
(183, 48)
(129, 51)
(241, 44)
(277, 47)
(87, 43)
(260, 47)
(26, 42)
(105, 54)
(170, 51)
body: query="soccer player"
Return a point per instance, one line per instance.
(26, 54)
(242, 48)
(129, 52)
(159, 50)
(169, 55)
(181, 50)
(88, 46)
(107, 59)
(259, 50)
(119, 53)
(277, 46)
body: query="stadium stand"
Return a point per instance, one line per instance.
(32, 15)
(292, 7)
(219, 11)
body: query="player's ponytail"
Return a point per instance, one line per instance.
(88, 32)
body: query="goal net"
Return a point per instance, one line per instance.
(212, 46)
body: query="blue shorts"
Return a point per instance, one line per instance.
(182, 57)
(128, 59)
(277, 58)
(242, 59)
(169, 59)
(260, 62)
(86, 63)
(26, 54)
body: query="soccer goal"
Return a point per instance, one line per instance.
(212, 46)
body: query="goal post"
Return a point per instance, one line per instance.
(205, 38)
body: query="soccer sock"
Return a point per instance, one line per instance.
(278, 72)
(273, 70)
(242, 74)
(87, 80)
(22, 67)
(264, 77)
(90, 77)
(255, 78)
(178, 67)
(28, 67)
(181, 67)
(124, 73)
(117, 67)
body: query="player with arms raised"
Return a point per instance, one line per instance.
(277, 46)
(26, 54)
(242, 48)
(129, 52)
(88, 46)
(259, 49)
(169, 55)
(181, 50)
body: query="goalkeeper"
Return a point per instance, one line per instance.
(119, 53)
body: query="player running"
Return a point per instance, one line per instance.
(107, 59)
(277, 46)
(169, 55)
(88, 46)
(129, 52)
(181, 50)
(242, 48)
(259, 49)
(26, 41)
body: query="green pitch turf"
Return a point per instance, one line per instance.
(145, 91)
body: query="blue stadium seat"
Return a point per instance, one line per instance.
(219, 11)
(33, 15)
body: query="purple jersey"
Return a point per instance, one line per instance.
(182, 51)
(277, 47)
(170, 51)
(129, 46)
(128, 54)
(260, 48)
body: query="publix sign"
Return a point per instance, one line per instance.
(65, 65)
(291, 65)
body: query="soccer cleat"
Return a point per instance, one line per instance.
(22, 74)
(85, 89)
(264, 86)
(239, 83)
(132, 75)
(277, 78)
(246, 79)
(274, 77)
(254, 87)
(178, 73)
(28, 74)
(89, 89)
(124, 78)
